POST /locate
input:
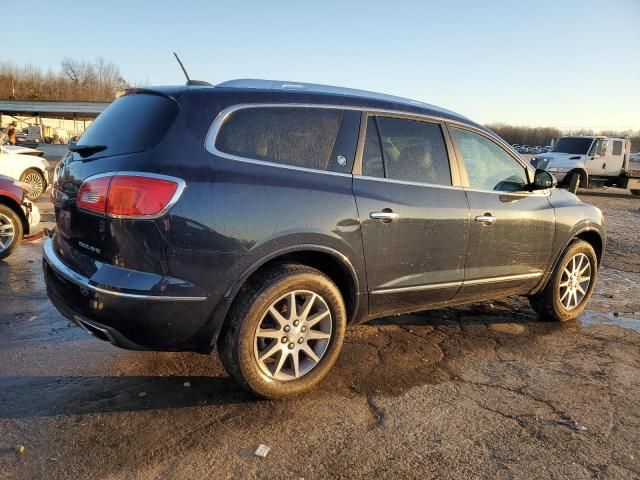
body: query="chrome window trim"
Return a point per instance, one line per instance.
(464, 283)
(212, 134)
(406, 182)
(174, 199)
(214, 129)
(61, 269)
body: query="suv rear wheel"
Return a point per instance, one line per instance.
(285, 332)
(10, 231)
(566, 294)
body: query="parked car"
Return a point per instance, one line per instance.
(263, 217)
(27, 165)
(18, 216)
(524, 149)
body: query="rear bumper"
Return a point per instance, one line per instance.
(140, 320)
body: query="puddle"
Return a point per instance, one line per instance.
(629, 320)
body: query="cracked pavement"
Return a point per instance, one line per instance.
(485, 391)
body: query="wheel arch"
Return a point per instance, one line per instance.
(584, 176)
(590, 235)
(329, 261)
(11, 203)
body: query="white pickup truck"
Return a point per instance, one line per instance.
(591, 161)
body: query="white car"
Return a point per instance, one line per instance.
(27, 165)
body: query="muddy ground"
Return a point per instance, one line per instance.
(482, 391)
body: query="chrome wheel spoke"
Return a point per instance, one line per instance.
(271, 352)
(283, 358)
(269, 333)
(316, 318)
(291, 302)
(277, 316)
(309, 351)
(317, 335)
(295, 359)
(306, 308)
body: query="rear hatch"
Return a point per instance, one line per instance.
(121, 139)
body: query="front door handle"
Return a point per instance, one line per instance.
(487, 219)
(386, 215)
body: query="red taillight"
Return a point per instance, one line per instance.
(125, 195)
(93, 194)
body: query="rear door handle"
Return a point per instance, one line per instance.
(386, 215)
(487, 219)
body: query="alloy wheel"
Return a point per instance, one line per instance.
(575, 281)
(293, 335)
(7, 233)
(37, 184)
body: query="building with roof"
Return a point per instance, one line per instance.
(50, 118)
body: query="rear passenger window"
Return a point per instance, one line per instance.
(302, 137)
(617, 147)
(412, 151)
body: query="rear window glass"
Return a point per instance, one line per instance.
(132, 123)
(298, 136)
(617, 147)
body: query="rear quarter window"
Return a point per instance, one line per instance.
(132, 123)
(297, 136)
(617, 147)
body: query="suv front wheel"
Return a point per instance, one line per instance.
(285, 332)
(568, 290)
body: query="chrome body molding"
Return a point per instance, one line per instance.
(61, 269)
(480, 281)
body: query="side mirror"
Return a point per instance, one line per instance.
(543, 180)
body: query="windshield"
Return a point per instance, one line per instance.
(575, 145)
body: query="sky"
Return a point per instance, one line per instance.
(563, 63)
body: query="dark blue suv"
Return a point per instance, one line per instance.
(263, 217)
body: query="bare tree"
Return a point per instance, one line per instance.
(99, 80)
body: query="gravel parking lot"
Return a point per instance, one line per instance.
(483, 391)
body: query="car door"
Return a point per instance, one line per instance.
(511, 228)
(597, 161)
(614, 158)
(414, 214)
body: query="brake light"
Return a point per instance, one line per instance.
(93, 194)
(126, 195)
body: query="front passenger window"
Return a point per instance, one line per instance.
(489, 167)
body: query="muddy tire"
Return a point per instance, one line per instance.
(284, 332)
(37, 181)
(571, 284)
(635, 193)
(10, 231)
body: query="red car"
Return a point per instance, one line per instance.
(18, 216)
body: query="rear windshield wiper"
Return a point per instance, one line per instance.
(86, 150)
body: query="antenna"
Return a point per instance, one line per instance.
(189, 81)
(182, 67)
